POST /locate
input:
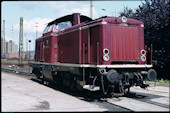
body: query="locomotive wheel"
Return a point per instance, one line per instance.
(126, 91)
(58, 79)
(71, 82)
(68, 80)
(43, 81)
(122, 89)
(37, 73)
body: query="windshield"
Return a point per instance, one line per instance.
(48, 29)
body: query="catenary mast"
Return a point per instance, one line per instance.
(21, 42)
(4, 42)
(91, 9)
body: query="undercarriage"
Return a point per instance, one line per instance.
(107, 81)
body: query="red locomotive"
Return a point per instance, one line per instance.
(105, 55)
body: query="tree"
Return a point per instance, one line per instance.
(127, 12)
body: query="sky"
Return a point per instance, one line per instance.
(36, 15)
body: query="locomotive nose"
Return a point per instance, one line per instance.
(151, 75)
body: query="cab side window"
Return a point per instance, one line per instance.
(63, 25)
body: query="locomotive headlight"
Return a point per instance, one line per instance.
(106, 54)
(106, 57)
(143, 52)
(105, 51)
(124, 19)
(143, 58)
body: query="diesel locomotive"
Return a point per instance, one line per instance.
(105, 55)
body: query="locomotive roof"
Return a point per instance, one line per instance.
(70, 18)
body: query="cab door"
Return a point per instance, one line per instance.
(85, 45)
(42, 51)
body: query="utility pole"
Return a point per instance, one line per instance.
(26, 49)
(21, 43)
(29, 54)
(26, 52)
(29, 51)
(4, 50)
(12, 31)
(91, 9)
(36, 30)
(36, 34)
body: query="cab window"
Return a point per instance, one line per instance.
(48, 29)
(63, 25)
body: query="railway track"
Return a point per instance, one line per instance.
(143, 98)
(131, 102)
(137, 104)
(19, 72)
